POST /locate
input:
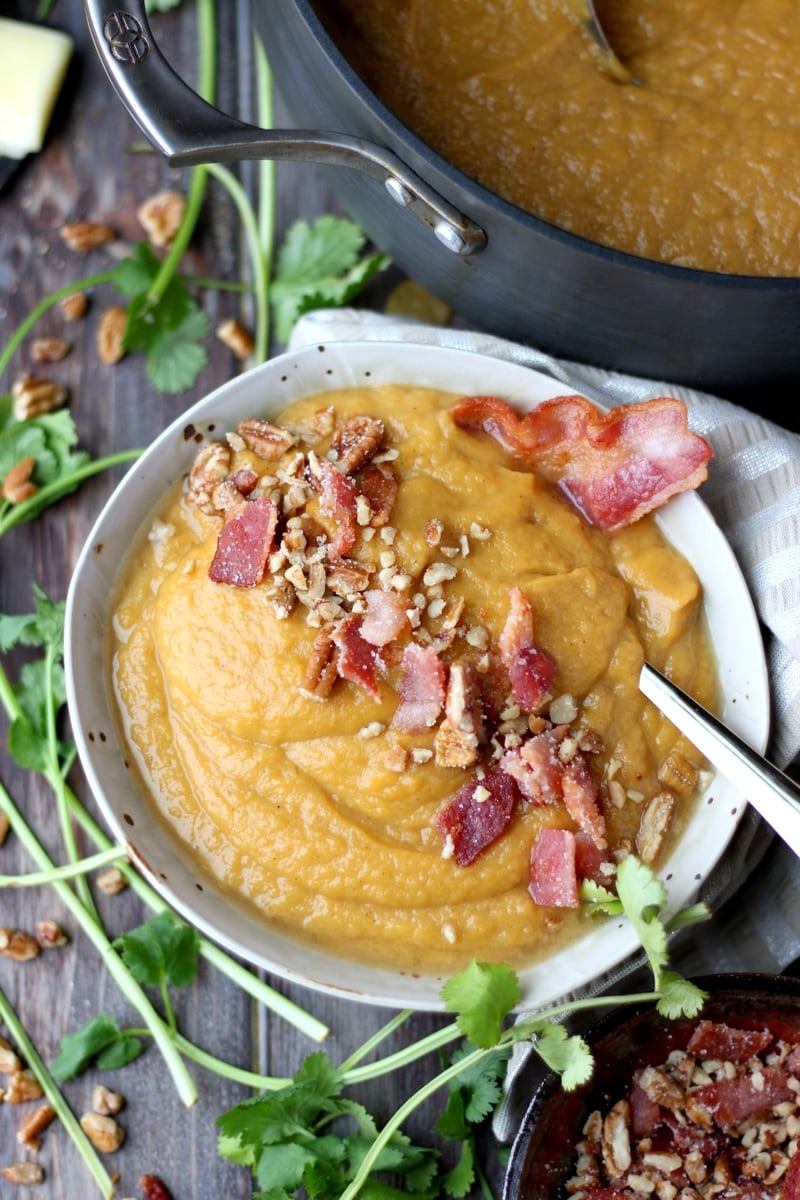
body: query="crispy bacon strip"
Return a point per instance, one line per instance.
(356, 659)
(553, 879)
(615, 466)
(478, 815)
(422, 689)
(244, 545)
(338, 499)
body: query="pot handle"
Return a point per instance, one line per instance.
(189, 131)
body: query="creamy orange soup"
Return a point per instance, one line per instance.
(310, 806)
(698, 166)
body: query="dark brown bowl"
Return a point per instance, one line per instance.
(542, 1153)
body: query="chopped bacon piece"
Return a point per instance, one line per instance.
(245, 480)
(385, 618)
(422, 690)
(338, 499)
(379, 485)
(615, 466)
(582, 799)
(553, 882)
(477, 815)
(356, 659)
(532, 671)
(537, 767)
(646, 1115)
(732, 1100)
(244, 545)
(714, 1039)
(590, 860)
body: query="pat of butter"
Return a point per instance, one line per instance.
(33, 63)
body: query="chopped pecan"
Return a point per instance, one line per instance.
(111, 882)
(268, 441)
(9, 1060)
(211, 465)
(74, 306)
(50, 935)
(49, 349)
(226, 498)
(153, 1188)
(320, 673)
(18, 485)
(34, 397)
(678, 774)
(356, 440)
(160, 216)
(105, 1102)
(19, 946)
(454, 747)
(110, 335)
(347, 576)
(233, 334)
(83, 236)
(616, 1140)
(23, 1085)
(24, 1173)
(659, 1088)
(103, 1132)
(654, 826)
(34, 1125)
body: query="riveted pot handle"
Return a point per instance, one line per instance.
(188, 130)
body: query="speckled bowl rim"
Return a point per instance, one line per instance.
(266, 389)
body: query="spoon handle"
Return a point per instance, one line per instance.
(772, 793)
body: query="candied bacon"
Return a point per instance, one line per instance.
(379, 485)
(385, 617)
(714, 1039)
(581, 799)
(357, 660)
(531, 670)
(338, 500)
(615, 466)
(244, 544)
(553, 878)
(477, 815)
(421, 688)
(732, 1100)
(537, 767)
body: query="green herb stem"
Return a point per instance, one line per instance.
(402, 1058)
(385, 1031)
(29, 1053)
(257, 262)
(255, 987)
(81, 867)
(266, 180)
(117, 969)
(36, 313)
(227, 1070)
(26, 509)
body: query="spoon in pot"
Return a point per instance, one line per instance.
(771, 793)
(584, 10)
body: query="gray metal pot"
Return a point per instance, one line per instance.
(500, 268)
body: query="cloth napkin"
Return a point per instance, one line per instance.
(753, 492)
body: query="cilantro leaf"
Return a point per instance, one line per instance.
(482, 995)
(318, 266)
(568, 1055)
(49, 440)
(119, 1053)
(163, 948)
(460, 1178)
(78, 1049)
(679, 997)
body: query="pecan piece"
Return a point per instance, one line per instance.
(654, 826)
(34, 397)
(83, 236)
(74, 306)
(320, 673)
(233, 334)
(678, 774)
(49, 349)
(23, 1085)
(50, 935)
(105, 1102)
(160, 216)
(616, 1140)
(9, 1061)
(111, 334)
(210, 467)
(111, 882)
(19, 946)
(34, 1125)
(24, 1173)
(269, 442)
(348, 576)
(103, 1132)
(18, 485)
(356, 440)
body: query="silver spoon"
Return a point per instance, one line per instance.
(773, 794)
(584, 10)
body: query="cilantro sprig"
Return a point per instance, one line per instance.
(283, 1135)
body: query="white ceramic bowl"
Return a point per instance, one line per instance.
(685, 521)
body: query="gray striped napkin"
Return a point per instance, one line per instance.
(753, 492)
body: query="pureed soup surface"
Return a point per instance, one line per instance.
(291, 784)
(699, 166)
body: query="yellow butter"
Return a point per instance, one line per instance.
(33, 63)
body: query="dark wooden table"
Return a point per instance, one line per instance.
(91, 169)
